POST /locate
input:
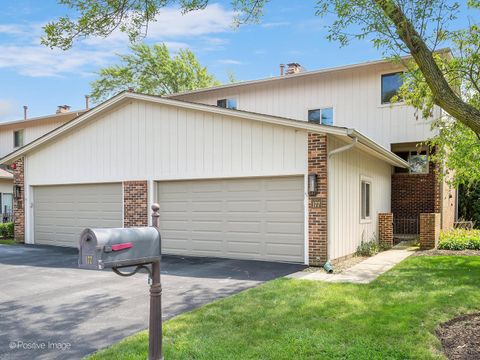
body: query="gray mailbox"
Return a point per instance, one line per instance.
(112, 248)
(120, 248)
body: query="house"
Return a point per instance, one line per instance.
(295, 168)
(15, 134)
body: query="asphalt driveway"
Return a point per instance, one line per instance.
(50, 309)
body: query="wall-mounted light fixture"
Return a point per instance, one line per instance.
(17, 191)
(312, 184)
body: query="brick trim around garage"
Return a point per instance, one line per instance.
(317, 205)
(135, 203)
(19, 203)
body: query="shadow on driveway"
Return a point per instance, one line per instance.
(46, 299)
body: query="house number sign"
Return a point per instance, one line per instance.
(318, 203)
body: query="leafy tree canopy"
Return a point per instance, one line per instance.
(152, 70)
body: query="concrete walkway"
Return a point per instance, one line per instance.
(363, 272)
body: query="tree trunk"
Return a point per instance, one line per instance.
(443, 94)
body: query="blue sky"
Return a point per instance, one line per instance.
(33, 75)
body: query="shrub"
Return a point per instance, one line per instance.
(368, 248)
(460, 239)
(6, 230)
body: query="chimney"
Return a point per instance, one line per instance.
(25, 112)
(282, 69)
(87, 102)
(294, 68)
(61, 109)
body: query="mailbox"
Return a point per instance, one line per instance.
(112, 248)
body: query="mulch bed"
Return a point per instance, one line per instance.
(435, 252)
(460, 337)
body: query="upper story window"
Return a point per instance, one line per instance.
(321, 116)
(418, 161)
(227, 103)
(18, 138)
(391, 83)
(365, 199)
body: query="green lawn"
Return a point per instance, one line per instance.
(7, 242)
(392, 318)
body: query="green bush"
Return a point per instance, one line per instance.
(368, 248)
(460, 239)
(6, 230)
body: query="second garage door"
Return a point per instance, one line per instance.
(62, 212)
(256, 218)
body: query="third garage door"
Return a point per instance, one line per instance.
(255, 218)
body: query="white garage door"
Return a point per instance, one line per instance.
(62, 212)
(256, 218)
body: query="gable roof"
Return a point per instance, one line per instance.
(69, 114)
(445, 51)
(126, 96)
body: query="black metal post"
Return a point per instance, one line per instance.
(155, 325)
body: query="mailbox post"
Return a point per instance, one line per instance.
(125, 248)
(155, 325)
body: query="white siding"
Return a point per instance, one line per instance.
(345, 230)
(31, 131)
(354, 94)
(157, 142)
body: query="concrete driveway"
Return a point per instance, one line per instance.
(49, 309)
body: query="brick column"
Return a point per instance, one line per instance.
(317, 205)
(19, 203)
(385, 229)
(135, 204)
(430, 224)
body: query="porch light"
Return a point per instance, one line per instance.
(312, 184)
(17, 191)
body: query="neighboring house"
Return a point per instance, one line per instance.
(249, 177)
(17, 133)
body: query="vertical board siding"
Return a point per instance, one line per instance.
(354, 94)
(151, 141)
(345, 171)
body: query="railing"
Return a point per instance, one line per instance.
(406, 226)
(466, 225)
(6, 217)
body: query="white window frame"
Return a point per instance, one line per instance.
(23, 138)
(379, 88)
(322, 108)
(229, 98)
(367, 180)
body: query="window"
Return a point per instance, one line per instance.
(365, 201)
(227, 103)
(18, 138)
(390, 85)
(418, 161)
(321, 116)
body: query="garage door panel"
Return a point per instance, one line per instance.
(256, 218)
(62, 212)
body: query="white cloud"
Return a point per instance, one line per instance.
(230, 62)
(269, 25)
(7, 109)
(20, 49)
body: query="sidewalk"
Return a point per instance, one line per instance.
(361, 273)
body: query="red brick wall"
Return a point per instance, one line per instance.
(19, 203)
(429, 230)
(413, 194)
(135, 204)
(317, 205)
(385, 229)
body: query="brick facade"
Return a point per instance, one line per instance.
(317, 205)
(413, 194)
(19, 203)
(429, 230)
(135, 204)
(385, 229)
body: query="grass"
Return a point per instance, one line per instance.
(7, 242)
(392, 318)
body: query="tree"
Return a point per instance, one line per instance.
(151, 70)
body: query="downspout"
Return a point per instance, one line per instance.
(344, 148)
(328, 265)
